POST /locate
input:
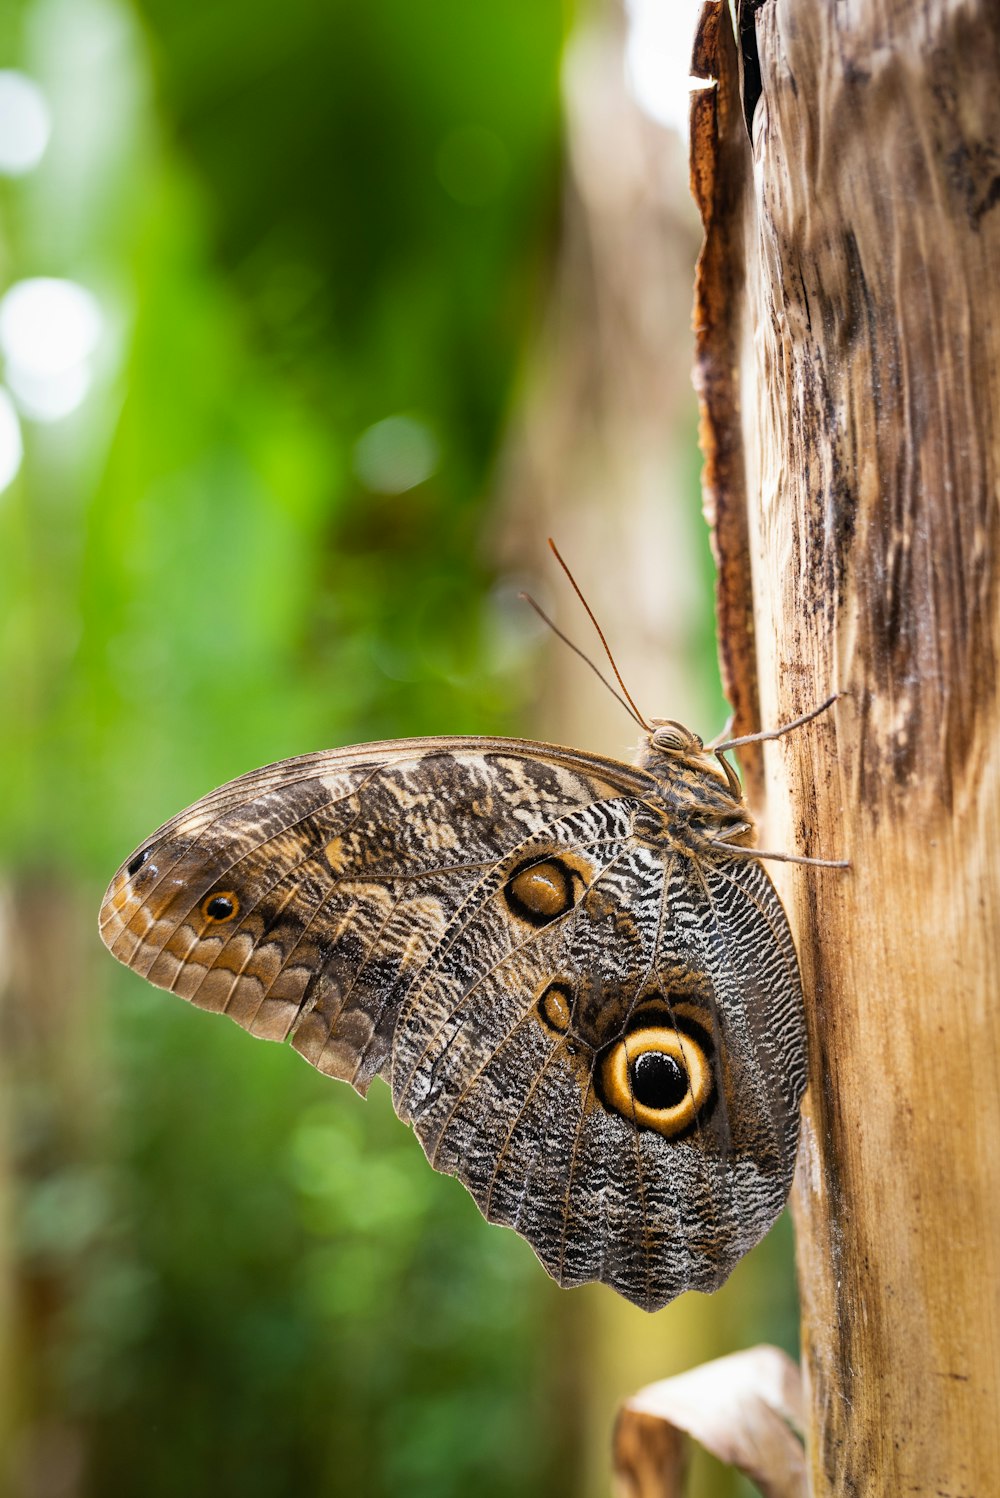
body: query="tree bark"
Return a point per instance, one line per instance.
(847, 167)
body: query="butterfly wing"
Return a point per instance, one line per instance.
(516, 1055)
(478, 921)
(303, 898)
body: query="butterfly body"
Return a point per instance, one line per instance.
(582, 991)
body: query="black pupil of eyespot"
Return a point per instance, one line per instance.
(219, 908)
(139, 860)
(658, 1080)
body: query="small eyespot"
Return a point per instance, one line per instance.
(540, 889)
(137, 862)
(555, 1005)
(221, 907)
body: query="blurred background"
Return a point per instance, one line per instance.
(315, 321)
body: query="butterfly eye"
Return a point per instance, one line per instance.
(660, 1077)
(219, 908)
(674, 738)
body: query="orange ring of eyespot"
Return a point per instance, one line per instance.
(219, 894)
(618, 1089)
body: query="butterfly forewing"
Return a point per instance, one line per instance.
(597, 1028)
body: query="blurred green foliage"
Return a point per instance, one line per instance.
(299, 220)
(282, 266)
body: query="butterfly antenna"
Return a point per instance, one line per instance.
(600, 634)
(577, 651)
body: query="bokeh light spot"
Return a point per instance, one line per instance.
(658, 59)
(48, 331)
(25, 124)
(395, 454)
(11, 448)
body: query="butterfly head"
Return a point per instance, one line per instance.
(670, 737)
(672, 747)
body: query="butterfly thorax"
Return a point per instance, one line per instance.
(698, 797)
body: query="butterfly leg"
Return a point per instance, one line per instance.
(720, 844)
(723, 735)
(774, 733)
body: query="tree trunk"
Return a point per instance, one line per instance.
(849, 360)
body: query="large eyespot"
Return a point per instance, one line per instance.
(659, 1076)
(220, 907)
(539, 890)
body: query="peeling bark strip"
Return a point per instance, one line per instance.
(848, 318)
(743, 1409)
(718, 145)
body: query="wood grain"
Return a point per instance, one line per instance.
(851, 371)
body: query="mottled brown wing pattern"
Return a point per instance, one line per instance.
(340, 876)
(513, 1106)
(596, 1030)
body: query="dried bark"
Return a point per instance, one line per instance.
(848, 318)
(745, 1409)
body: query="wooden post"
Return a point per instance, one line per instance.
(848, 317)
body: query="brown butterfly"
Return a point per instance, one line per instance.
(573, 972)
